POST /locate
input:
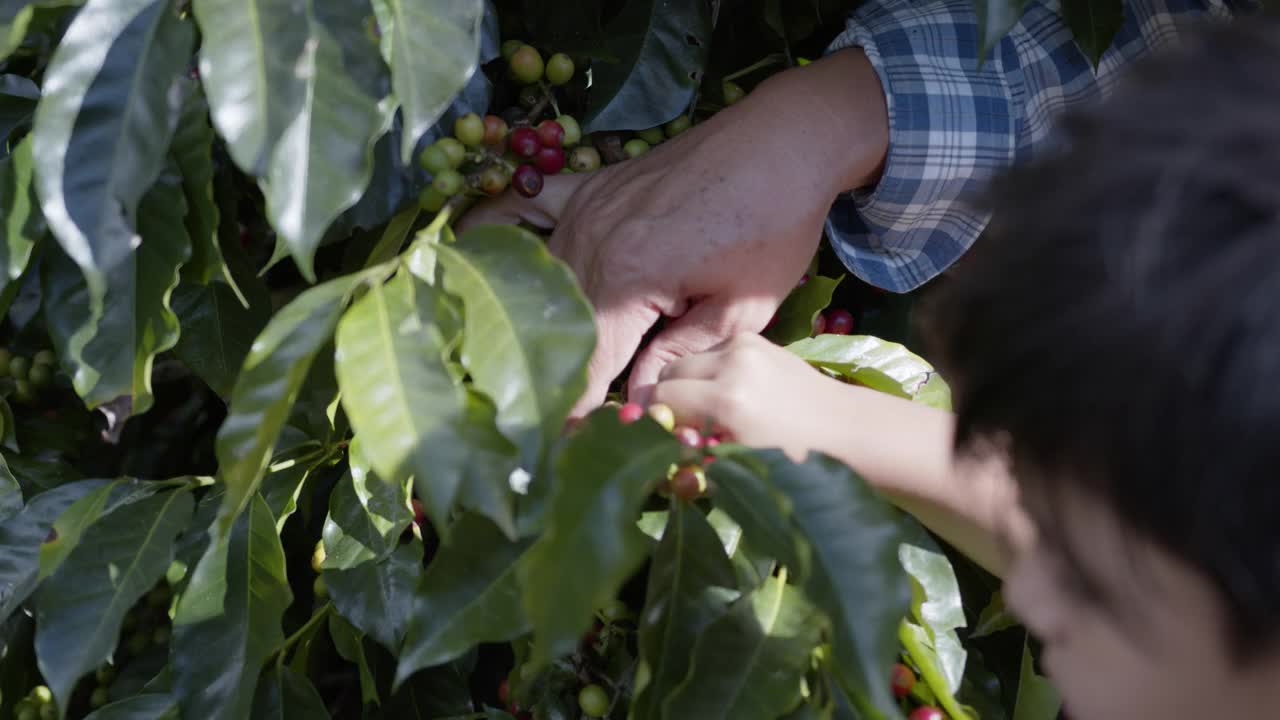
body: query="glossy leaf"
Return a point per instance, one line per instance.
(661, 49)
(216, 661)
(18, 97)
(281, 488)
(881, 365)
(995, 18)
(16, 18)
(23, 224)
(10, 492)
(433, 48)
(322, 161)
(269, 380)
(794, 320)
(192, 152)
(1094, 23)
(469, 594)
(854, 574)
(937, 606)
(22, 535)
(691, 583)
(250, 51)
(405, 404)
(136, 322)
(750, 662)
(81, 607)
(103, 126)
(602, 477)
(1037, 698)
(994, 617)
(69, 528)
(287, 695)
(217, 332)
(743, 491)
(397, 231)
(376, 596)
(529, 331)
(349, 642)
(150, 706)
(369, 510)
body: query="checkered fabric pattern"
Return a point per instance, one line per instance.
(954, 124)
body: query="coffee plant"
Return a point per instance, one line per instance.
(277, 442)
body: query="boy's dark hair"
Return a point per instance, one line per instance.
(1119, 323)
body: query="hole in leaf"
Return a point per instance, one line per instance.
(692, 40)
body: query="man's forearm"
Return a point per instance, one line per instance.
(829, 116)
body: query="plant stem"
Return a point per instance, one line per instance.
(771, 59)
(320, 614)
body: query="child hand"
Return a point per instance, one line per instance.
(759, 393)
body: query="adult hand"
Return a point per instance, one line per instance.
(713, 228)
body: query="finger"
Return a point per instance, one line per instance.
(512, 208)
(699, 366)
(707, 324)
(694, 401)
(619, 330)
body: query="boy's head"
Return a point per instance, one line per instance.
(1118, 333)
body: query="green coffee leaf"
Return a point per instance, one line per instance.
(661, 50)
(109, 350)
(80, 609)
(529, 331)
(102, 129)
(377, 596)
(691, 583)
(23, 224)
(855, 576)
(22, 536)
(878, 364)
(602, 477)
(750, 662)
(404, 402)
(469, 594)
(433, 49)
(216, 661)
(794, 320)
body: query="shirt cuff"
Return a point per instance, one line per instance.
(951, 129)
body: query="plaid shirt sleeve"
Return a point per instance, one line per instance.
(954, 124)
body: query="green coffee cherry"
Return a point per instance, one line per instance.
(99, 697)
(559, 69)
(40, 376)
(677, 125)
(45, 357)
(652, 135)
(572, 130)
(18, 367)
(636, 147)
(5, 358)
(41, 694)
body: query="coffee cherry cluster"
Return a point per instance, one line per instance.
(30, 375)
(833, 322)
(37, 705)
(686, 480)
(487, 154)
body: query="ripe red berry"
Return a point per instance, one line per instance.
(819, 324)
(711, 441)
(630, 413)
(495, 130)
(839, 322)
(689, 437)
(803, 279)
(419, 514)
(689, 483)
(550, 133)
(928, 712)
(901, 679)
(527, 181)
(525, 142)
(504, 691)
(550, 160)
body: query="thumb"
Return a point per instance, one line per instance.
(705, 325)
(618, 334)
(512, 208)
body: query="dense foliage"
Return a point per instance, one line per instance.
(276, 443)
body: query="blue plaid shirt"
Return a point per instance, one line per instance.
(953, 125)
